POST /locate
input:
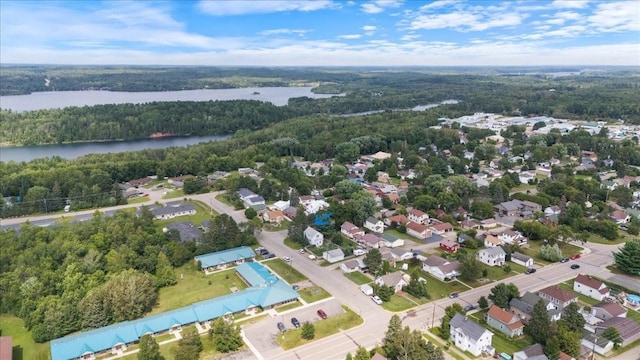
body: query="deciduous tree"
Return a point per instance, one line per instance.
(502, 294)
(149, 349)
(470, 267)
(539, 326)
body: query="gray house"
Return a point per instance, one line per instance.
(334, 255)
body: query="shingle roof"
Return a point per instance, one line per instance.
(500, 314)
(589, 282)
(612, 308)
(469, 327)
(626, 327)
(556, 292)
(493, 251)
(519, 256)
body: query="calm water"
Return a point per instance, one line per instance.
(72, 151)
(59, 99)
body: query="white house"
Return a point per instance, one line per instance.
(491, 241)
(396, 280)
(352, 265)
(391, 241)
(608, 310)
(374, 225)
(314, 206)
(400, 254)
(313, 236)
(173, 209)
(467, 335)
(441, 268)
(521, 259)
(418, 230)
(511, 237)
(590, 287)
(418, 216)
(493, 256)
(333, 256)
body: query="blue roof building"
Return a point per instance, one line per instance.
(266, 291)
(225, 257)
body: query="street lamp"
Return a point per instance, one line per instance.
(595, 339)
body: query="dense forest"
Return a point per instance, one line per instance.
(590, 96)
(87, 275)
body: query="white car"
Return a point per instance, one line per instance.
(311, 257)
(376, 299)
(301, 251)
(286, 258)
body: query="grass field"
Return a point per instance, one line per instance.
(496, 273)
(138, 200)
(168, 350)
(196, 286)
(534, 251)
(24, 348)
(289, 306)
(292, 244)
(313, 293)
(398, 303)
(438, 289)
(358, 277)
(285, 271)
(324, 328)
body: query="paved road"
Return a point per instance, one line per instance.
(370, 334)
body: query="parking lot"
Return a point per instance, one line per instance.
(262, 334)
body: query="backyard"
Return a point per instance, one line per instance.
(24, 348)
(196, 286)
(358, 277)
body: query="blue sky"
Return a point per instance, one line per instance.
(321, 32)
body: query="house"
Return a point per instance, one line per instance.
(526, 176)
(313, 236)
(418, 216)
(470, 224)
(280, 205)
(350, 230)
(441, 268)
(598, 344)
(391, 241)
(620, 217)
(531, 352)
(590, 287)
(353, 265)
(628, 328)
(418, 230)
(186, 230)
(378, 356)
(398, 219)
(290, 212)
(441, 228)
(508, 208)
(245, 193)
(221, 259)
(558, 296)
(273, 216)
(491, 241)
(314, 206)
(333, 256)
(608, 310)
(396, 280)
(374, 225)
(400, 254)
(523, 307)
(140, 182)
(521, 259)
(511, 237)
(449, 246)
(173, 209)
(488, 223)
(552, 210)
(504, 321)
(493, 256)
(467, 335)
(370, 240)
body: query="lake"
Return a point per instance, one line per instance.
(72, 151)
(59, 99)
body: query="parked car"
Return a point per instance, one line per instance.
(295, 287)
(530, 271)
(575, 256)
(281, 327)
(453, 295)
(322, 314)
(312, 257)
(376, 299)
(564, 260)
(286, 258)
(575, 266)
(358, 252)
(295, 322)
(469, 307)
(268, 256)
(301, 251)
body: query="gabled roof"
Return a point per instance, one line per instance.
(392, 279)
(370, 239)
(372, 220)
(255, 274)
(442, 227)
(613, 309)
(533, 351)
(416, 213)
(504, 317)
(493, 251)
(555, 292)
(590, 282)
(469, 327)
(225, 256)
(310, 232)
(521, 257)
(244, 193)
(626, 327)
(349, 227)
(400, 219)
(492, 240)
(416, 227)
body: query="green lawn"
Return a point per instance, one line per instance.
(398, 303)
(533, 250)
(358, 277)
(24, 348)
(500, 341)
(209, 351)
(203, 212)
(289, 306)
(496, 273)
(622, 237)
(285, 271)
(172, 194)
(292, 244)
(582, 298)
(138, 200)
(224, 198)
(313, 293)
(196, 286)
(438, 289)
(324, 328)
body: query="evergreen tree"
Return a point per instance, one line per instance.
(483, 303)
(552, 348)
(571, 318)
(449, 312)
(225, 335)
(189, 347)
(539, 326)
(309, 332)
(165, 275)
(628, 258)
(362, 354)
(568, 340)
(470, 267)
(149, 349)
(394, 328)
(373, 260)
(349, 357)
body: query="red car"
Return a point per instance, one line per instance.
(575, 256)
(322, 314)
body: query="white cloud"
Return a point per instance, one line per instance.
(462, 17)
(300, 32)
(568, 15)
(439, 4)
(571, 4)
(369, 28)
(350, 36)
(241, 7)
(376, 7)
(616, 16)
